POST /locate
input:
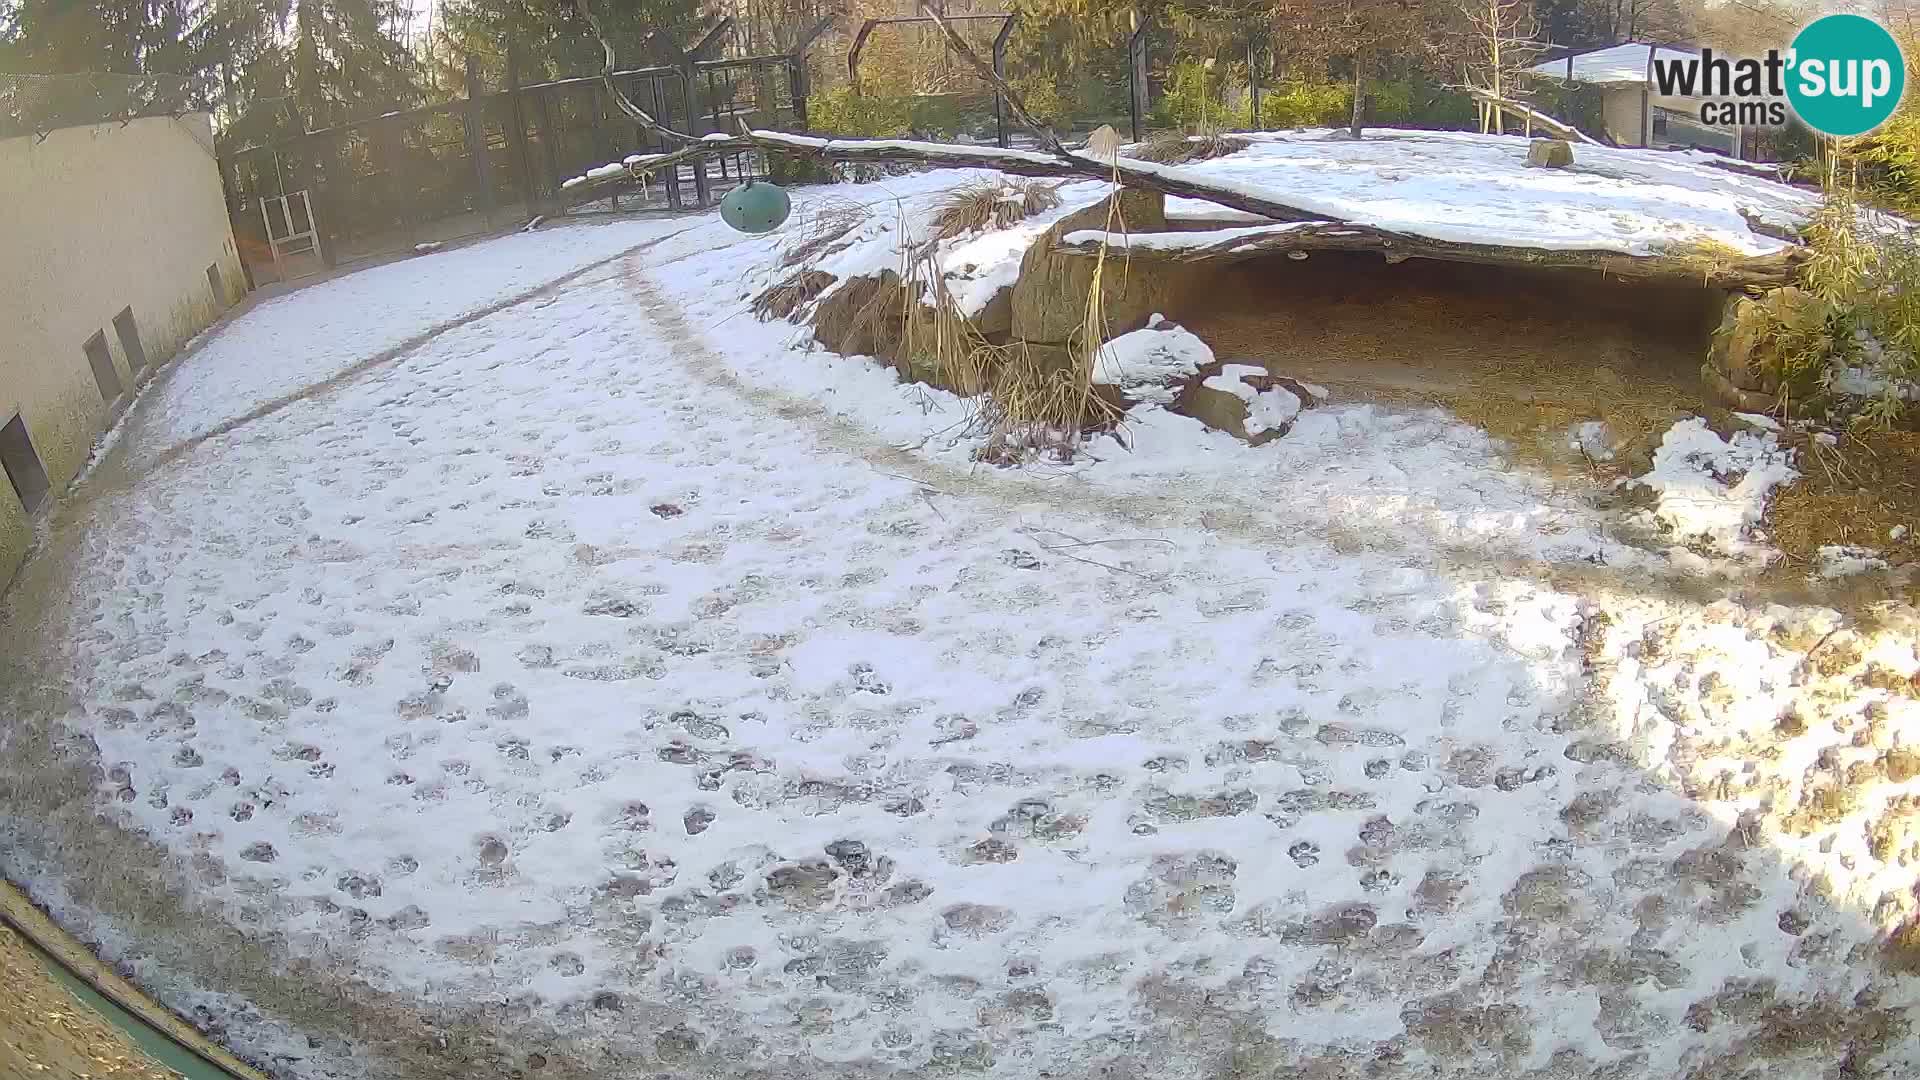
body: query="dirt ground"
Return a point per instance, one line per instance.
(1528, 355)
(1523, 354)
(46, 1032)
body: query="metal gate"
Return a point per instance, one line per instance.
(291, 231)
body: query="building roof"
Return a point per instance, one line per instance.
(1618, 64)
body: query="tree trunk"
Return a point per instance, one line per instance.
(1359, 94)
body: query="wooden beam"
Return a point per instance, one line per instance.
(1305, 237)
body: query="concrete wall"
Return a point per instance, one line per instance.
(1621, 112)
(94, 220)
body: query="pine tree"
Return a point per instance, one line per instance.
(126, 37)
(289, 65)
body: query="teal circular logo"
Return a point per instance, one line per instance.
(1847, 75)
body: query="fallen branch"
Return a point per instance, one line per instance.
(1313, 230)
(1146, 175)
(1304, 237)
(1556, 128)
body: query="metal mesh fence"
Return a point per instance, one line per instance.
(36, 104)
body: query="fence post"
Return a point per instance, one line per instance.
(549, 135)
(1253, 77)
(477, 139)
(797, 69)
(1000, 69)
(797, 89)
(662, 110)
(1137, 73)
(690, 97)
(517, 128)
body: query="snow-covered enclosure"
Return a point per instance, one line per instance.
(1452, 185)
(550, 666)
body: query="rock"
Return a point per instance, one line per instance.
(995, 321)
(1748, 331)
(1752, 401)
(806, 886)
(1245, 401)
(861, 317)
(1549, 153)
(1050, 297)
(1148, 364)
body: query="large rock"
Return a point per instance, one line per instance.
(1245, 401)
(1549, 153)
(995, 321)
(1742, 349)
(1150, 364)
(861, 317)
(1050, 299)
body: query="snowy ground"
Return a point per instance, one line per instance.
(607, 682)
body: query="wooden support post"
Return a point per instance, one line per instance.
(517, 132)
(1000, 69)
(549, 135)
(1137, 103)
(1253, 78)
(690, 91)
(477, 140)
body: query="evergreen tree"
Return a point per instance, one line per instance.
(127, 37)
(288, 65)
(553, 41)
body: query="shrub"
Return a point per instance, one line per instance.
(1192, 97)
(842, 112)
(1301, 104)
(1863, 274)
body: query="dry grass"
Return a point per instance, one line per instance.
(1707, 255)
(1174, 147)
(825, 229)
(1024, 400)
(991, 204)
(1532, 409)
(1854, 492)
(782, 300)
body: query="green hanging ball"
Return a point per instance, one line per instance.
(756, 207)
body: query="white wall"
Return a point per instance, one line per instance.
(93, 220)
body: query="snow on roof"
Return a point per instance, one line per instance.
(1463, 186)
(1618, 64)
(1444, 185)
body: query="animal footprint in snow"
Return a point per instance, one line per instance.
(1020, 560)
(666, 510)
(866, 681)
(1304, 853)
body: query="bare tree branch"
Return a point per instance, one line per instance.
(1557, 128)
(1015, 103)
(634, 112)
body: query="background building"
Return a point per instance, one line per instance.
(1632, 111)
